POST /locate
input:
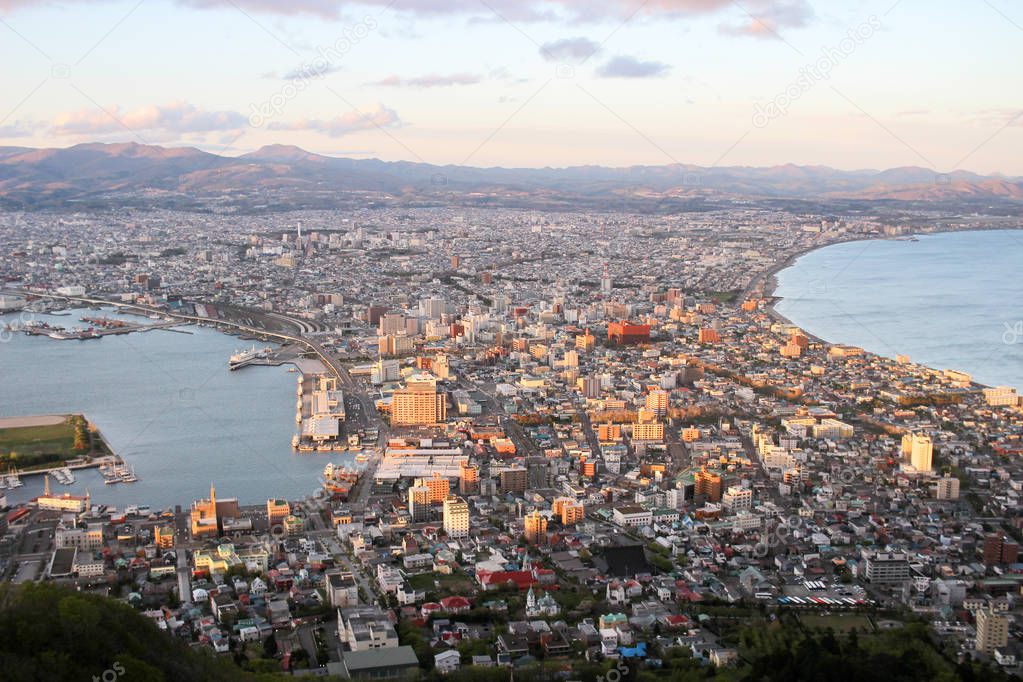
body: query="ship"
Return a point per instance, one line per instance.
(240, 358)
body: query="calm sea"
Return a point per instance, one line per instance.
(950, 301)
(168, 404)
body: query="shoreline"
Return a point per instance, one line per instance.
(767, 284)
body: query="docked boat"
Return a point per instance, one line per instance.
(295, 440)
(13, 480)
(240, 358)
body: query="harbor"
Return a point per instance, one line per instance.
(169, 407)
(97, 329)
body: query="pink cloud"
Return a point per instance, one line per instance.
(176, 117)
(353, 121)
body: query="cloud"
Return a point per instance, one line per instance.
(19, 129)
(569, 50)
(766, 18)
(630, 67)
(353, 121)
(430, 81)
(312, 70)
(513, 10)
(176, 117)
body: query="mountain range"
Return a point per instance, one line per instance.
(97, 174)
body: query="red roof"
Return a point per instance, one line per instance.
(455, 603)
(523, 579)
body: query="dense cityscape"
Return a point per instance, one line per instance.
(576, 446)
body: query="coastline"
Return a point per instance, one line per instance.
(767, 283)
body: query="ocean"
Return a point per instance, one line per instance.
(947, 300)
(167, 403)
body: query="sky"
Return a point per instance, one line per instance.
(844, 83)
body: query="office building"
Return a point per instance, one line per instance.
(992, 630)
(456, 517)
(536, 528)
(418, 404)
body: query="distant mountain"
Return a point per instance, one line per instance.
(289, 177)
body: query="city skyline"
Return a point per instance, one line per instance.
(525, 84)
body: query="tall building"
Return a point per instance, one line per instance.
(536, 528)
(918, 449)
(569, 510)
(992, 630)
(469, 480)
(456, 517)
(418, 404)
(948, 488)
(708, 484)
(514, 480)
(438, 487)
(432, 308)
(657, 401)
(419, 503)
(277, 511)
(999, 550)
(605, 280)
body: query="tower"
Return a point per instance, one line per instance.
(605, 280)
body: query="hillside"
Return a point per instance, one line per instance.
(52, 633)
(289, 177)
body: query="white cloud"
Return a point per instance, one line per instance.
(176, 117)
(430, 80)
(630, 67)
(353, 121)
(569, 50)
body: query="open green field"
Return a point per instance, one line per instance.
(454, 583)
(837, 622)
(42, 445)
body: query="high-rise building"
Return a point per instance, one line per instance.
(432, 308)
(438, 487)
(658, 402)
(708, 484)
(418, 404)
(514, 480)
(998, 549)
(469, 481)
(569, 510)
(917, 447)
(456, 517)
(419, 503)
(992, 630)
(605, 280)
(948, 488)
(536, 528)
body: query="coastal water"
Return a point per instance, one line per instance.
(949, 301)
(167, 403)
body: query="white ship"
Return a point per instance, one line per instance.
(242, 357)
